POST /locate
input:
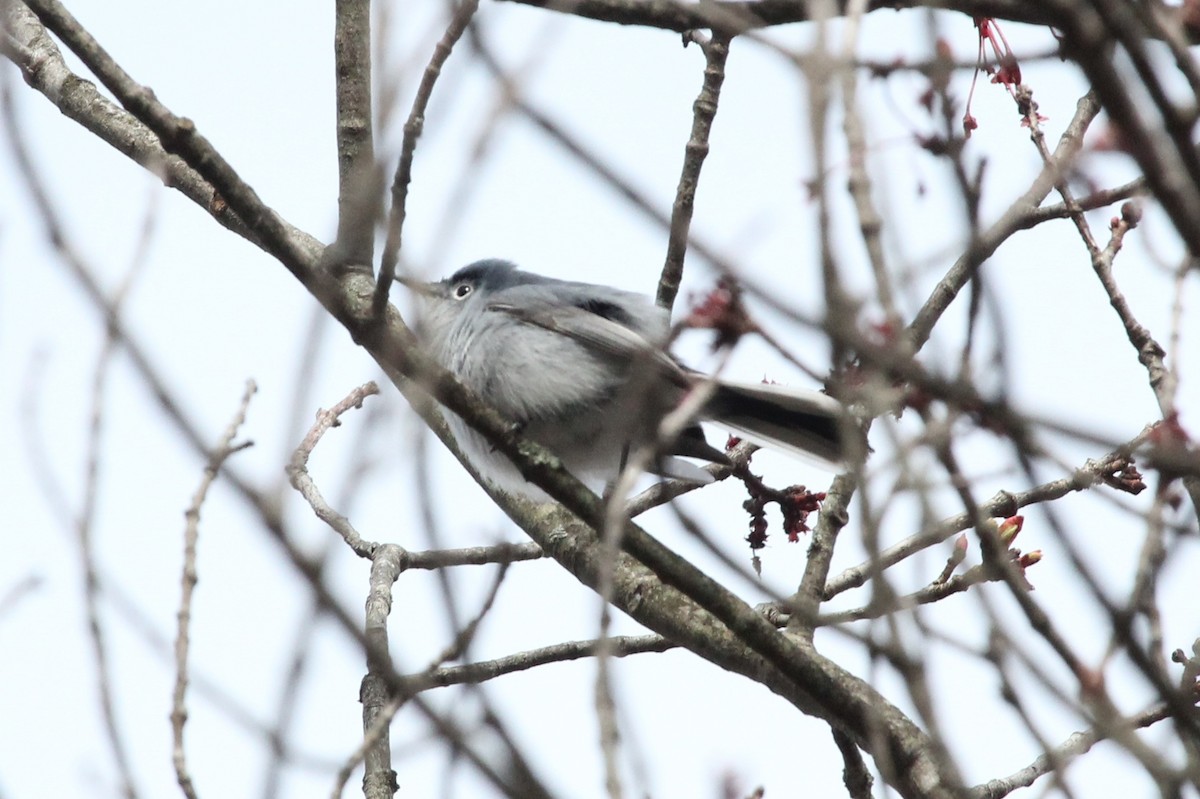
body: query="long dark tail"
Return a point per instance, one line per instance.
(799, 421)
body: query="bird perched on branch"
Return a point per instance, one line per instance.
(581, 369)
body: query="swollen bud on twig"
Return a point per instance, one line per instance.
(957, 556)
(1009, 528)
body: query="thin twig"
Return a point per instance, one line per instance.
(988, 241)
(1090, 202)
(819, 71)
(870, 223)
(994, 557)
(934, 592)
(1149, 352)
(482, 671)
(1003, 504)
(84, 526)
(297, 470)
(225, 448)
(288, 703)
(606, 714)
(613, 530)
(412, 131)
(12, 597)
(1070, 749)
(594, 163)
(704, 111)
(210, 690)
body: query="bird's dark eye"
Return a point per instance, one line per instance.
(461, 291)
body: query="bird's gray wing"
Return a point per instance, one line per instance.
(597, 325)
(609, 328)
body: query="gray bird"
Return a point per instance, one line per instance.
(580, 368)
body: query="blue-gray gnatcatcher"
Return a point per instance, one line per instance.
(580, 368)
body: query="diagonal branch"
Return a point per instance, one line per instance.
(413, 128)
(1070, 749)
(1004, 503)
(43, 68)
(178, 135)
(704, 111)
(1162, 147)
(1010, 222)
(666, 594)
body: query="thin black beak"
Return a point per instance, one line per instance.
(420, 286)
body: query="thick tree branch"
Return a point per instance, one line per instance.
(1162, 147)
(358, 181)
(44, 69)
(739, 16)
(379, 780)
(178, 135)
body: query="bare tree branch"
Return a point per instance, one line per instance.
(297, 471)
(1078, 744)
(44, 69)
(413, 128)
(854, 774)
(225, 447)
(1003, 504)
(741, 16)
(1163, 146)
(179, 136)
(986, 244)
(870, 223)
(473, 556)
(704, 111)
(379, 780)
(358, 178)
(13, 594)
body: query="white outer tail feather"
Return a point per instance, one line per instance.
(818, 443)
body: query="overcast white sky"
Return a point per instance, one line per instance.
(212, 311)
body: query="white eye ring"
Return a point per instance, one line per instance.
(462, 291)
